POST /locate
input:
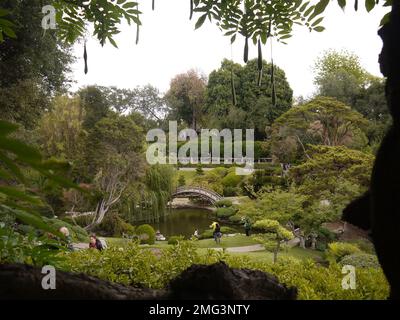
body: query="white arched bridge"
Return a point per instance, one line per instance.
(199, 192)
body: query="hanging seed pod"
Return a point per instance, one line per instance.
(356, 5)
(85, 58)
(246, 50)
(269, 28)
(259, 63)
(273, 95)
(191, 9)
(234, 100)
(153, 5)
(137, 28)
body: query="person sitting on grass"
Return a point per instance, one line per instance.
(95, 243)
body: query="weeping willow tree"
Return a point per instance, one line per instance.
(150, 203)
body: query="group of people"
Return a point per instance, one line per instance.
(94, 242)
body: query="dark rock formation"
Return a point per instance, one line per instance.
(20, 281)
(220, 282)
(216, 281)
(379, 209)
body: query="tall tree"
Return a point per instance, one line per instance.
(33, 66)
(186, 97)
(254, 106)
(323, 121)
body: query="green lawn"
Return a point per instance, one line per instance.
(296, 252)
(227, 242)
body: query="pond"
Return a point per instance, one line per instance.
(184, 222)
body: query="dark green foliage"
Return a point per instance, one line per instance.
(146, 234)
(33, 66)
(224, 213)
(114, 226)
(223, 203)
(254, 108)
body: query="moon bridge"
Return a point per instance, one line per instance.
(193, 191)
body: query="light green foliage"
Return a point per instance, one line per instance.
(321, 283)
(338, 250)
(279, 205)
(132, 265)
(273, 226)
(323, 121)
(146, 234)
(360, 260)
(336, 174)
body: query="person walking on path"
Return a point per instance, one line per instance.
(247, 226)
(216, 231)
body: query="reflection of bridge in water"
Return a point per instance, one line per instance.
(198, 192)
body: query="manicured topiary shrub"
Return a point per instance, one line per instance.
(175, 239)
(224, 213)
(360, 260)
(223, 203)
(237, 219)
(146, 234)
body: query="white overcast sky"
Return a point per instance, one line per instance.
(169, 45)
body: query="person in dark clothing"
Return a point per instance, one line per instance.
(247, 226)
(95, 243)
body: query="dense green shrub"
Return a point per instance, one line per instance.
(209, 233)
(337, 250)
(133, 265)
(146, 234)
(77, 233)
(175, 239)
(231, 191)
(223, 203)
(236, 219)
(360, 260)
(224, 213)
(231, 180)
(114, 226)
